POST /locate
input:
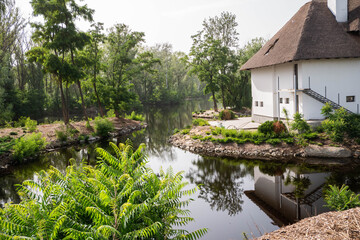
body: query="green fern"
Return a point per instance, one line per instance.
(121, 198)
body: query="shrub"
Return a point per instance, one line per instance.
(134, 116)
(299, 124)
(20, 122)
(176, 131)
(185, 131)
(6, 144)
(103, 127)
(61, 135)
(266, 128)
(13, 133)
(88, 125)
(28, 146)
(340, 199)
(200, 122)
(83, 137)
(279, 127)
(226, 115)
(110, 113)
(31, 124)
(273, 141)
(121, 198)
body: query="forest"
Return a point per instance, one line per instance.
(57, 70)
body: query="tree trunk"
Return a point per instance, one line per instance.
(82, 100)
(214, 100)
(223, 96)
(98, 100)
(63, 104)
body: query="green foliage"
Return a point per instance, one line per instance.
(327, 110)
(339, 124)
(121, 198)
(28, 146)
(61, 135)
(88, 125)
(341, 199)
(175, 131)
(227, 115)
(20, 122)
(273, 141)
(83, 137)
(185, 131)
(31, 125)
(266, 128)
(299, 124)
(6, 144)
(200, 122)
(134, 116)
(103, 127)
(13, 133)
(110, 113)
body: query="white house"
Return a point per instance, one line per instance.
(313, 59)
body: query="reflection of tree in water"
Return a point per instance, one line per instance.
(350, 178)
(221, 183)
(160, 125)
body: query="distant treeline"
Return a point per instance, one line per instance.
(60, 69)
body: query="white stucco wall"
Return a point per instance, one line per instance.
(263, 89)
(339, 76)
(285, 74)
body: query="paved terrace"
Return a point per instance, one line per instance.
(244, 123)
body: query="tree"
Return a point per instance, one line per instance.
(59, 41)
(205, 53)
(213, 48)
(121, 53)
(94, 54)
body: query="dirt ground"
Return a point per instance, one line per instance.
(49, 130)
(343, 225)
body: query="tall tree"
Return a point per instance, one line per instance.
(223, 29)
(95, 53)
(60, 40)
(206, 62)
(122, 51)
(215, 46)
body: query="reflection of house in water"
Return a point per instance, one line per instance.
(278, 198)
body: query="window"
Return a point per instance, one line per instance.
(350, 98)
(261, 104)
(281, 100)
(256, 103)
(287, 100)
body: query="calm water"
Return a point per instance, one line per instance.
(236, 196)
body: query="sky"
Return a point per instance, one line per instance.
(175, 21)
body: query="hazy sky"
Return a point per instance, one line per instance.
(174, 21)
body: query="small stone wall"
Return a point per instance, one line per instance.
(311, 154)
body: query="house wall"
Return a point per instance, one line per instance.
(285, 74)
(263, 90)
(341, 77)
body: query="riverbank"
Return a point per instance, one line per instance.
(312, 154)
(332, 225)
(81, 134)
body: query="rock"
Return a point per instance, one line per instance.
(327, 152)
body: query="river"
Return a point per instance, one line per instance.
(236, 197)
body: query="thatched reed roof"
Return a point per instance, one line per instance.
(312, 33)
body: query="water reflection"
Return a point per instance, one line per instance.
(288, 195)
(221, 183)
